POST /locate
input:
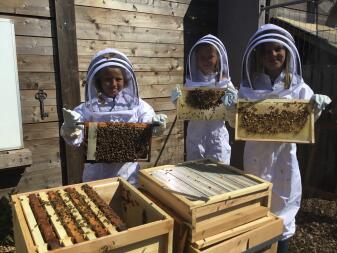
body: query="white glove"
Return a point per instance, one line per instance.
(320, 101)
(71, 130)
(176, 93)
(230, 98)
(319, 104)
(159, 123)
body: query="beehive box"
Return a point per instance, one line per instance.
(282, 120)
(118, 141)
(256, 236)
(148, 228)
(209, 196)
(201, 104)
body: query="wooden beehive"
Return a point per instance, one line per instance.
(201, 104)
(257, 236)
(209, 196)
(282, 120)
(117, 141)
(149, 229)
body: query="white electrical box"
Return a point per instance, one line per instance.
(10, 106)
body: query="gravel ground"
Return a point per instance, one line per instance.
(316, 230)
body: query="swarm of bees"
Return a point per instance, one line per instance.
(287, 118)
(122, 142)
(204, 99)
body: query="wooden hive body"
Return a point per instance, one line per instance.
(247, 199)
(149, 229)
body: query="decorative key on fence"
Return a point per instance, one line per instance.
(41, 95)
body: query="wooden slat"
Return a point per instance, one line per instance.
(34, 81)
(88, 30)
(28, 98)
(58, 228)
(35, 63)
(33, 227)
(40, 176)
(228, 221)
(87, 232)
(90, 47)
(32, 114)
(97, 212)
(143, 64)
(205, 242)
(15, 158)
(31, 26)
(34, 45)
(153, 7)
(43, 130)
(26, 7)
(160, 104)
(117, 17)
(69, 79)
(44, 150)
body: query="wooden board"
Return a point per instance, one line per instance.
(195, 104)
(282, 120)
(15, 158)
(269, 231)
(150, 229)
(209, 196)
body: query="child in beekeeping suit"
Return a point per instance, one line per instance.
(271, 68)
(207, 66)
(111, 95)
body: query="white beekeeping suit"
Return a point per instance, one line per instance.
(125, 107)
(208, 138)
(275, 161)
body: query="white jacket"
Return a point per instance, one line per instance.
(208, 139)
(274, 161)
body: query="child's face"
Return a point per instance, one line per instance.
(207, 59)
(111, 81)
(273, 57)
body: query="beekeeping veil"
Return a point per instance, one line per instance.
(194, 77)
(127, 99)
(252, 60)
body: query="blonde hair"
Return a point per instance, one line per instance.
(256, 65)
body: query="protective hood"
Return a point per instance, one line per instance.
(127, 99)
(269, 33)
(194, 77)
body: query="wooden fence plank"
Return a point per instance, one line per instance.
(90, 47)
(117, 17)
(36, 80)
(44, 150)
(26, 7)
(69, 79)
(161, 104)
(31, 114)
(43, 130)
(15, 158)
(35, 63)
(28, 98)
(87, 30)
(34, 45)
(31, 26)
(153, 7)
